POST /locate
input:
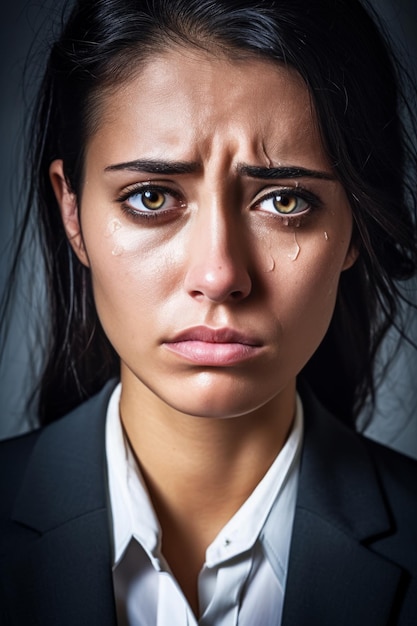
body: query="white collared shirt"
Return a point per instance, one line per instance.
(243, 578)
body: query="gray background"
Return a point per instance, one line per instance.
(25, 30)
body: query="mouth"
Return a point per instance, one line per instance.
(214, 347)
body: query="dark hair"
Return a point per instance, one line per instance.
(343, 58)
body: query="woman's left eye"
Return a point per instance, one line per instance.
(284, 203)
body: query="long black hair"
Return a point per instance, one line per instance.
(344, 59)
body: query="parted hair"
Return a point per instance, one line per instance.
(339, 50)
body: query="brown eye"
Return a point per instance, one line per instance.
(153, 199)
(156, 200)
(289, 202)
(286, 203)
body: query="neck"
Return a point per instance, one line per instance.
(199, 470)
(219, 460)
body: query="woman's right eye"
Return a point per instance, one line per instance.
(149, 201)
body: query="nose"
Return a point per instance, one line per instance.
(218, 264)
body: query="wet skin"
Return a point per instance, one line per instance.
(180, 231)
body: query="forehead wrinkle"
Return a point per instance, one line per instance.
(216, 126)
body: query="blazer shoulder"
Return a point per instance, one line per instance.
(390, 459)
(14, 456)
(397, 473)
(45, 453)
(374, 485)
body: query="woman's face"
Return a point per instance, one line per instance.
(214, 230)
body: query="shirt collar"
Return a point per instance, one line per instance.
(244, 528)
(131, 507)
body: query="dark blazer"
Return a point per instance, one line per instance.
(353, 558)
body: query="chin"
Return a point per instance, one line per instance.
(220, 401)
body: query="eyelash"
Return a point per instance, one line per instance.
(140, 190)
(312, 200)
(299, 193)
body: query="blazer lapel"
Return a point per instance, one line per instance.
(64, 570)
(332, 579)
(340, 510)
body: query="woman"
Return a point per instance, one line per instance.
(221, 190)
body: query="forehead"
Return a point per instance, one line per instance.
(188, 104)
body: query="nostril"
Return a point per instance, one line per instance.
(217, 279)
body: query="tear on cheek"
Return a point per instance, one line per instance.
(294, 222)
(293, 254)
(280, 252)
(269, 263)
(113, 226)
(117, 251)
(123, 240)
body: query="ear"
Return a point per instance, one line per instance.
(351, 256)
(68, 205)
(352, 253)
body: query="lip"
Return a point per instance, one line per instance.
(213, 347)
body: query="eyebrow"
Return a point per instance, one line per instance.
(172, 168)
(169, 168)
(269, 173)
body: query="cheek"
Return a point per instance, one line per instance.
(274, 248)
(131, 243)
(303, 285)
(132, 272)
